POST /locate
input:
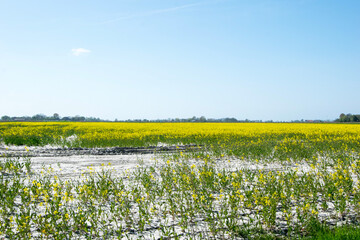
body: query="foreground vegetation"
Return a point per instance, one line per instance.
(179, 197)
(302, 182)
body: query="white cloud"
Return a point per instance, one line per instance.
(153, 12)
(79, 51)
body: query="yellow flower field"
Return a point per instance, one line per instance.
(280, 140)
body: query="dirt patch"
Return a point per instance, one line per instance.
(50, 151)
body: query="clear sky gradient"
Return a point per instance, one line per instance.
(130, 59)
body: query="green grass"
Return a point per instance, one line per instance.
(345, 232)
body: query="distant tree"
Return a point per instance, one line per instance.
(5, 118)
(56, 116)
(357, 117)
(39, 117)
(230, 120)
(348, 118)
(78, 118)
(202, 119)
(354, 118)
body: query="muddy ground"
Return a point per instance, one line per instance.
(70, 163)
(73, 161)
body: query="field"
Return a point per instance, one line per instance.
(202, 181)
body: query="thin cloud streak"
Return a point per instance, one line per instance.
(79, 51)
(151, 13)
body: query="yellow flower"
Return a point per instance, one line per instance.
(314, 212)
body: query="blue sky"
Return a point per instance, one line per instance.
(127, 59)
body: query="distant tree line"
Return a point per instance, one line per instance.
(193, 119)
(54, 117)
(77, 118)
(348, 118)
